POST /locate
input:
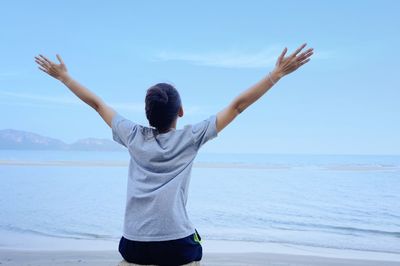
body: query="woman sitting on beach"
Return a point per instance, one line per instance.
(157, 229)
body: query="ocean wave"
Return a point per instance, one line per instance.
(298, 243)
(347, 230)
(233, 235)
(69, 234)
(300, 227)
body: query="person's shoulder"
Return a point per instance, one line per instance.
(202, 121)
(182, 133)
(187, 127)
(146, 130)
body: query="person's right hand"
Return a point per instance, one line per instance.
(58, 71)
(286, 65)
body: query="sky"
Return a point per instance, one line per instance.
(345, 101)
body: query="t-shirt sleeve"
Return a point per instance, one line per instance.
(123, 130)
(204, 131)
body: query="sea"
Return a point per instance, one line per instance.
(342, 202)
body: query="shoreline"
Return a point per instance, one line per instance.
(238, 165)
(101, 163)
(112, 258)
(21, 243)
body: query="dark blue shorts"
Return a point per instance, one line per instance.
(166, 253)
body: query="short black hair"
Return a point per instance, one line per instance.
(162, 106)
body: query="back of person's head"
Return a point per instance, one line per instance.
(162, 106)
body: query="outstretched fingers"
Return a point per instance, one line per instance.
(43, 69)
(44, 63)
(280, 59)
(304, 58)
(48, 61)
(307, 52)
(41, 62)
(60, 59)
(286, 65)
(305, 55)
(304, 62)
(298, 50)
(53, 69)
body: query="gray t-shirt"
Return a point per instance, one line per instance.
(159, 176)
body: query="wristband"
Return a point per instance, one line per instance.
(270, 79)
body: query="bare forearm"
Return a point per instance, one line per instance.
(252, 94)
(60, 72)
(284, 65)
(83, 93)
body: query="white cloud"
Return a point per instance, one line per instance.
(228, 59)
(40, 98)
(8, 75)
(322, 55)
(34, 100)
(235, 59)
(64, 100)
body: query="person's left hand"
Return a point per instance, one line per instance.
(57, 71)
(286, 65)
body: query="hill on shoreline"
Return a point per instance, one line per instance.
(12, 139)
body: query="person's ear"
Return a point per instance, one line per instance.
(180, 111)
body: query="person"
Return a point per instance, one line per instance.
(157, 229)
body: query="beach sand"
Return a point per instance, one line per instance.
(109, 258)
(18, 249)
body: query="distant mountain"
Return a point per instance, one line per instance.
(24, 140)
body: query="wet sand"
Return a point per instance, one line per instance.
(109, 258)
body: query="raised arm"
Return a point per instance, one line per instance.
(60, 72)
(284, 66)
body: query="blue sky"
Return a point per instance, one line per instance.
(345, 101)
